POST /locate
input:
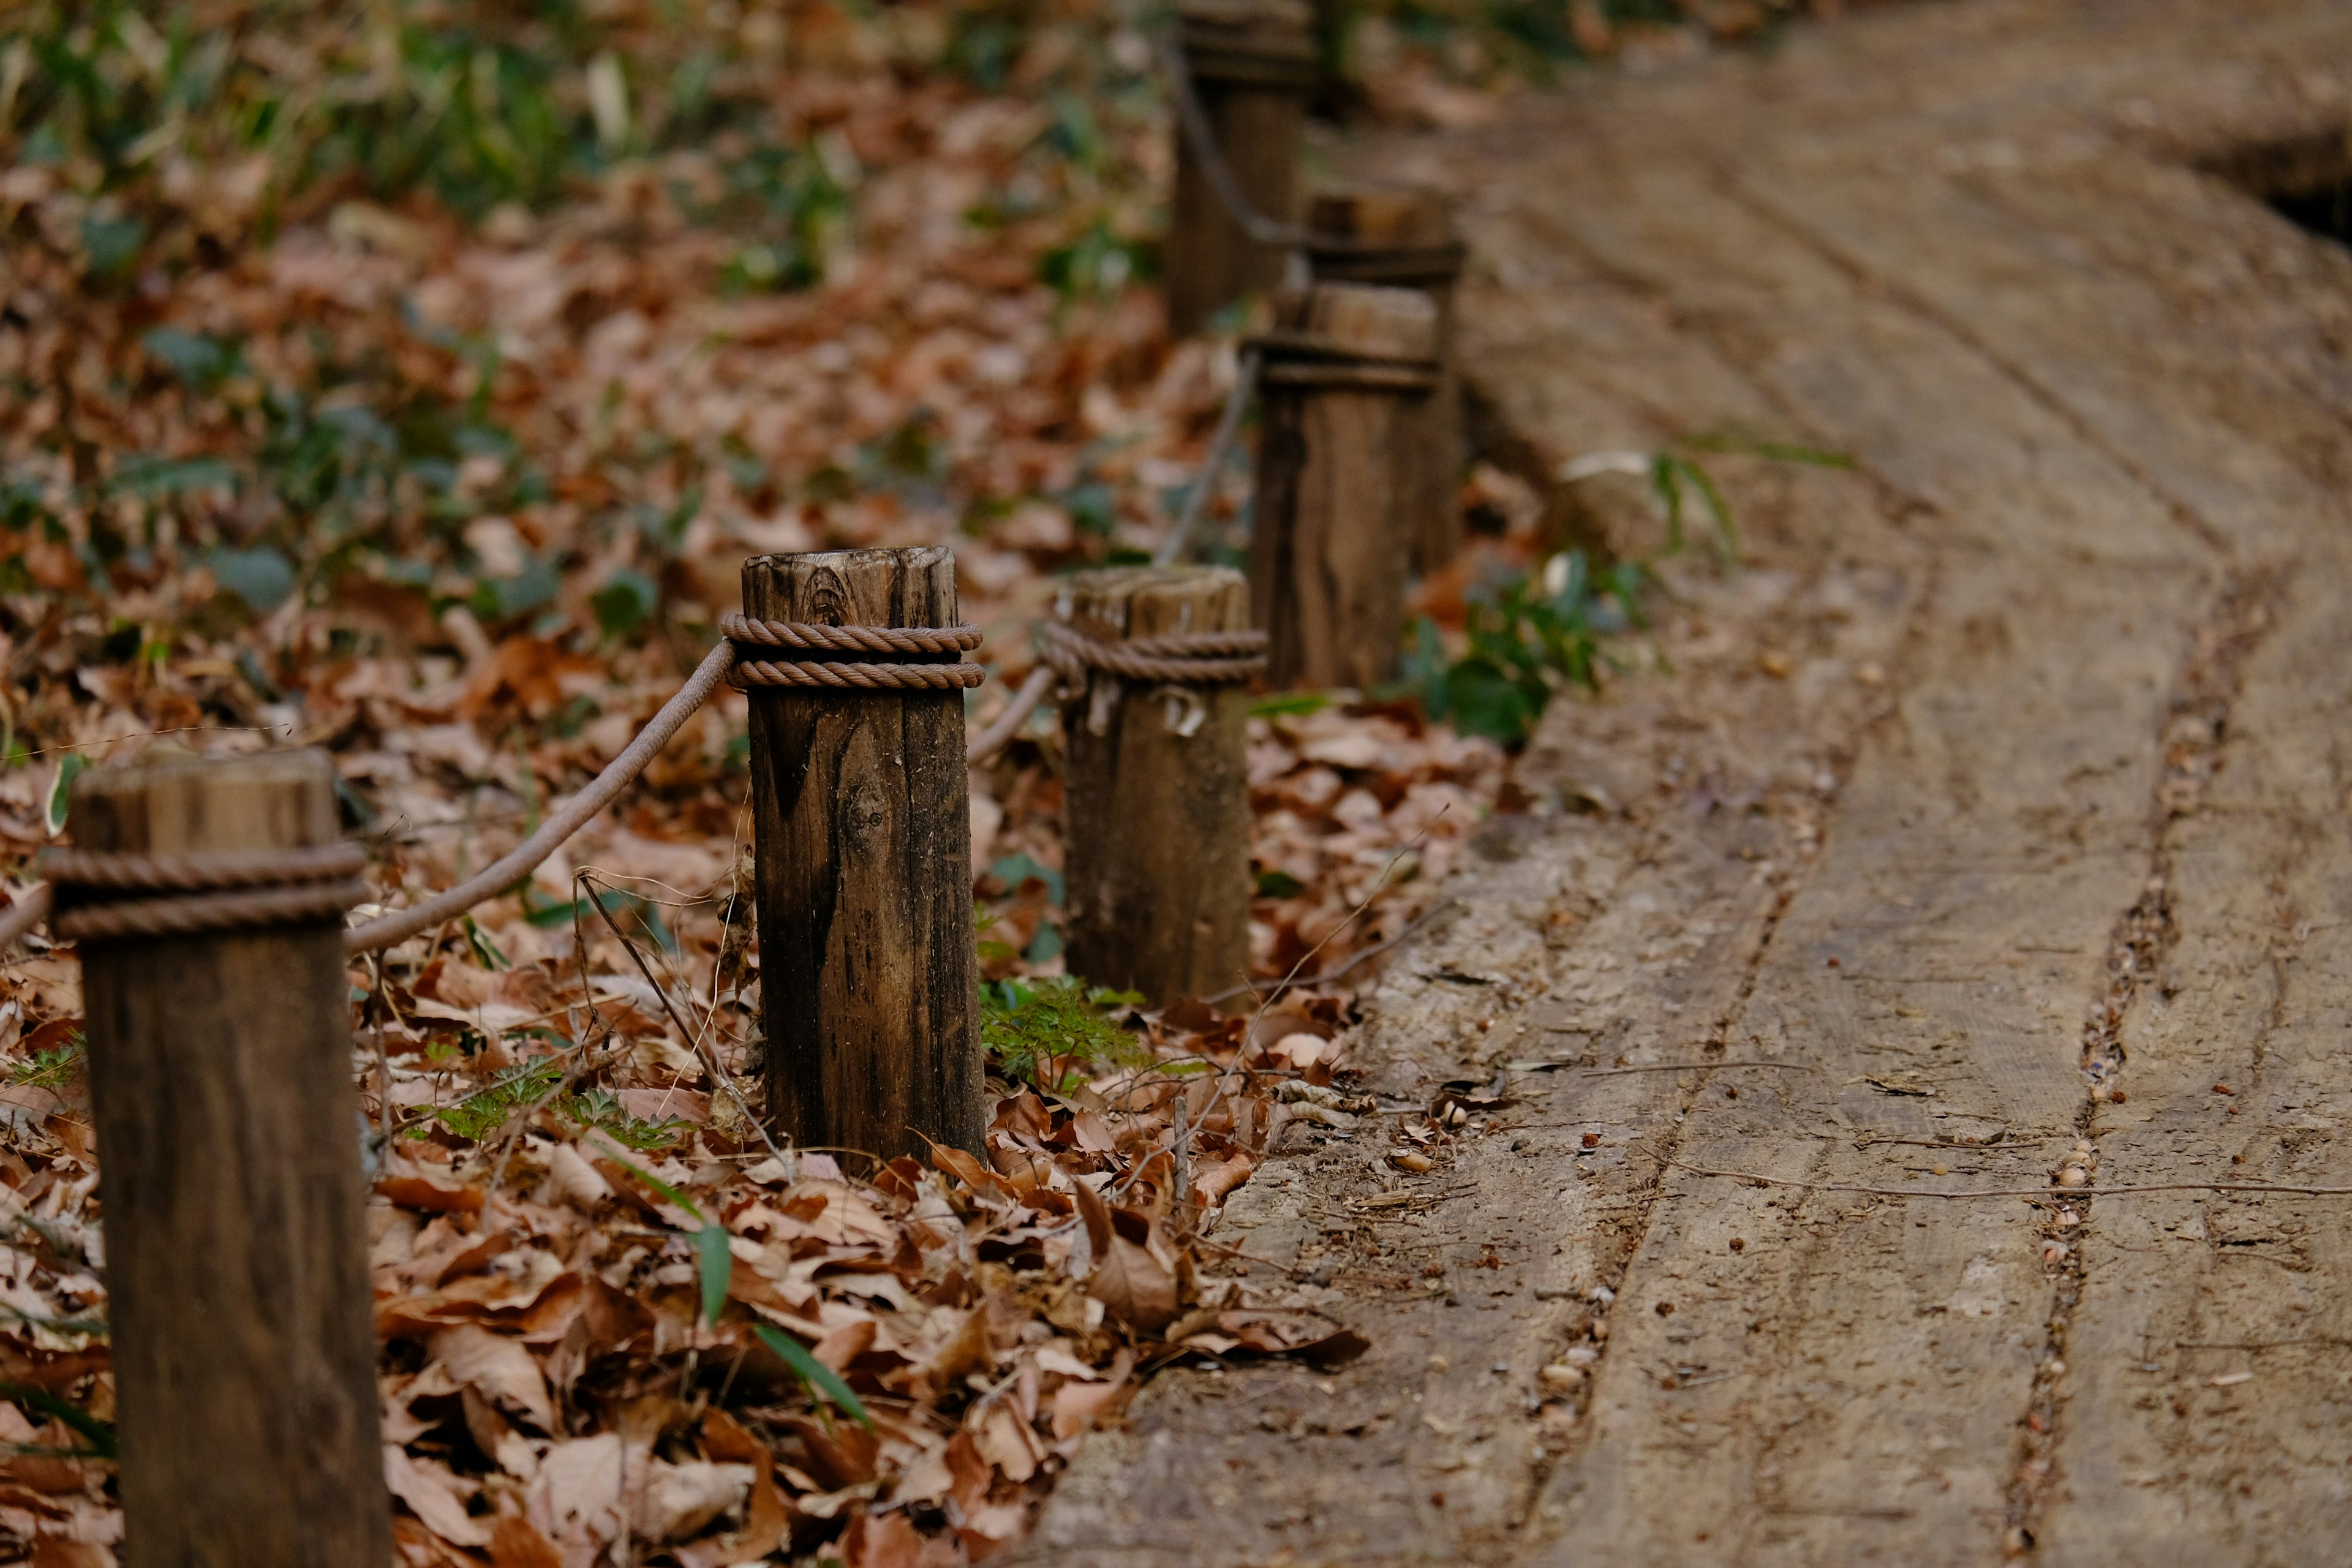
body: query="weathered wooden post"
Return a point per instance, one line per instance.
(1251, 65)
(1344, 380)
(207, 898)
(1156, 664)
(853, 660)
(1402, 236)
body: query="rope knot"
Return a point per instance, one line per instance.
(200, 890)
(927, 659)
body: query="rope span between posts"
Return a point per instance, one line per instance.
(237, 890)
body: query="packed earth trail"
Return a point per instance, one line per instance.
(1985, 836)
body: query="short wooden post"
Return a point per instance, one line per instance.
(1158, 792)
(862, 840)
(244, 1342)
(1252, 65)
(1402, 236)
(1344, 379)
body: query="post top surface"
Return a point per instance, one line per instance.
(915, 586)
(169, 802)
(1147, 600)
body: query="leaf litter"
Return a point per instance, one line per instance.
(442, 451)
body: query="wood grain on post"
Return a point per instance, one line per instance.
(1344, 380)
(1158, 788)
(863, 838)
(1253, 64)
(242, 1322)
(1403, 237)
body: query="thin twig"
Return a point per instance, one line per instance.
(726, 1080)
(1291, 981)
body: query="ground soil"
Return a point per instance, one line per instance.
(1996, 810)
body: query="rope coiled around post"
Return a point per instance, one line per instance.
(202, 892)
(752, 637)
(1173, 658)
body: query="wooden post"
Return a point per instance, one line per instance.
(1252, 65)
(1402, 236)
(1344, 380)
(862, 835)
(243, 1329)
(1157, 791)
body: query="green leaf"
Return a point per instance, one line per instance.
(714, 1262)
(1740, 442)
(820, 1378)
(624, 602)
(1278, 884)
(1014, 869)
(261, 576)
(504, 598)
(676, 1197)
(53, 812)
(153, 477)
(1486, 701)
(113, 244)
(195, 359)
(716, 1265)
(1289, 704)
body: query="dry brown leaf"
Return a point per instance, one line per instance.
(436, 1496)
(676, 1500)
(516, 1543)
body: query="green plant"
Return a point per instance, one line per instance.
(99, 1435)
(820, 1378)
(1526, 640)
(1031, 1025)
(49, 1069)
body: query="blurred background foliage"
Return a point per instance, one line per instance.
(151, 152)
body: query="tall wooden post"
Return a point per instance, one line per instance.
(1402, 236)
(1158, 792)
(1344, 379)
(862, 837)
(242, 1331)
(1252, 64)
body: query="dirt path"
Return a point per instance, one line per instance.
(1997, 811)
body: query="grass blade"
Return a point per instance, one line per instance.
(821, 1378)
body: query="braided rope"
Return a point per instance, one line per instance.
(1175, 658)
(747, 634)
(247, 909)
(805, 636)
(205, 891)
(856, 676)
(201, 870)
